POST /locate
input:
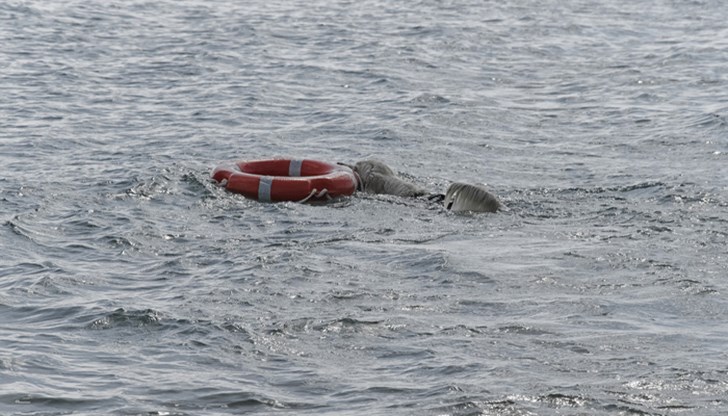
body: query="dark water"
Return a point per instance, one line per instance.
(132, 285)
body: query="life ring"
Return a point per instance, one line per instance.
(275, 180)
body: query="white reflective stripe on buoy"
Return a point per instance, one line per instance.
(294, 168)
(264, 188)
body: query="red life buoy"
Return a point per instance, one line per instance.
(276, 180)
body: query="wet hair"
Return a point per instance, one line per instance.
(378, 178)
(465, 197)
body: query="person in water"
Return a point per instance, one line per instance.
(375, 177)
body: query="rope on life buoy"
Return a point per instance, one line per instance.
(313, 194)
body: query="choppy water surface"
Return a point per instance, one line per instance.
(130, 284)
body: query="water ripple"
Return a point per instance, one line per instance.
(130, 283)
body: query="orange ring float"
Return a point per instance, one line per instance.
(275, 180)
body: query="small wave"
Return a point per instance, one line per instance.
(56, 405)
(427, 100)
(241, 400)
(710, 121)
(147, 189)
(523, 330)
(558, 400)
(47, 317)
(122, 318)
(17, 229)
(471, 406)
(341, 325)
(650, 185)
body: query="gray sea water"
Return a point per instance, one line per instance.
(130, 284)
